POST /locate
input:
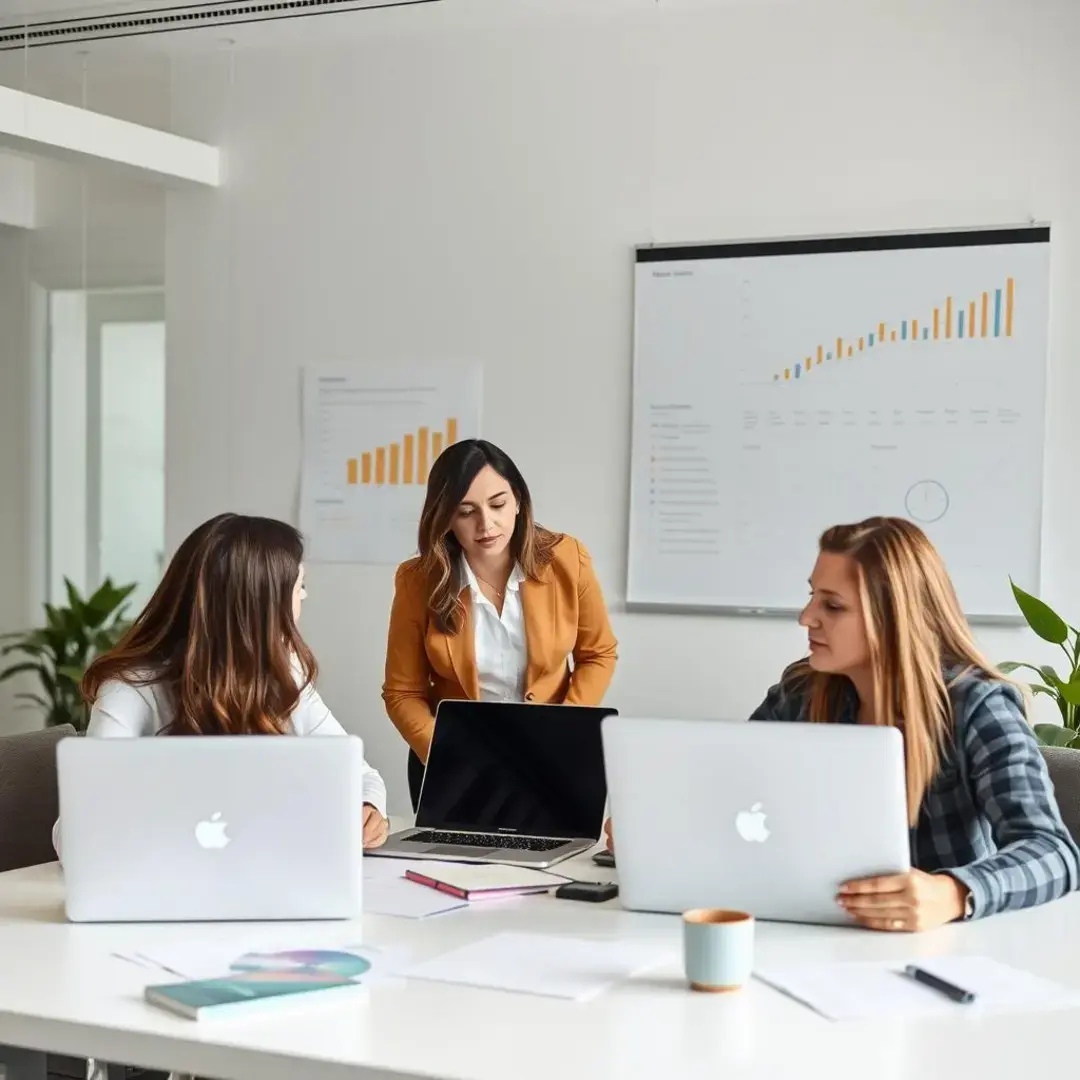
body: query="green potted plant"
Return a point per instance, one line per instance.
(60, 651)
(1063, 688)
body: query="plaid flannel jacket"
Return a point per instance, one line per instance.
(990, 817)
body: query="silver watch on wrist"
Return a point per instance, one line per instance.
(969, 906)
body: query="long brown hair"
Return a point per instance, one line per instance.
(531, 546)
(219, 634)
(915, 629)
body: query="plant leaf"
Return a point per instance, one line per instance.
(18, 669)
(1042, 618)
(1038, 688)
(72, 672)
(1071, 692)
(36, 699)
(1054, 735)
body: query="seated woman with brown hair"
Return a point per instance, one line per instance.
(217, 650)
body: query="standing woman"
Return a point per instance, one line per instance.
(494, 608)
(217, 651)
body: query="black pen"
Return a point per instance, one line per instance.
(950, 990)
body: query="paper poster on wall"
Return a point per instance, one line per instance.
(784, 386)
(369, 443)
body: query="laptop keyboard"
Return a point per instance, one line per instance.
(486, 840)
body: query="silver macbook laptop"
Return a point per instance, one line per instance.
(179, 829)
(509, 782)
(767, 818)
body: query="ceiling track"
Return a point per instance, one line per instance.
(43, 33)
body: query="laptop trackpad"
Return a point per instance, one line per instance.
(460, 851)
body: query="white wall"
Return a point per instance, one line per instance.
(474, 192)
(15, 479)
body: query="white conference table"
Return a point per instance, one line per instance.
(61, 990)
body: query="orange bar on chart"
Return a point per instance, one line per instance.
(451, 431)
(862, 344)
(948, 317)
(881, 331)
(937, 323)
(787, 373)
(971, 319)
(985, 313)
(410, 442)
(421, 455)
(351, 470)
(380, 465)
(436, 445)
(395, 463)
(892, 335)
(820, 353)
(850, 350)
(839, 348)
(1010, 296)
(914, 329)
(365, 468)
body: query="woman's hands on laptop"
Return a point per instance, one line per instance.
(909, 902)
(609, 835)
(376, 827)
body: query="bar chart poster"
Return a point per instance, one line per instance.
(369, 444)
(784, 386)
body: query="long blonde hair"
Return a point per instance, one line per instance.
(914, 628)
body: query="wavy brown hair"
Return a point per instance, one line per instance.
(915, 628)
(531, 546)
(219, 634)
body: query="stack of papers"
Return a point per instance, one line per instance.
(882, 991)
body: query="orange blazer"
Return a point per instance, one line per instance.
(564, 615)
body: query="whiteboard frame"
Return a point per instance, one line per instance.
(668, 249)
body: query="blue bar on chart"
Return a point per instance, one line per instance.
(960, 324)
(926, 332)
(798, 369)
(828, 356)
(871, 339)
(903, 330)
(997, 313)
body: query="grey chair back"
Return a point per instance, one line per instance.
(29, 803)
(1064, 768)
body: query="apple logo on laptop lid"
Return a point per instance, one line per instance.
(211, 834)
(750, 825)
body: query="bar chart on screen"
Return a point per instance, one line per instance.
(369, 444)
(784, 386)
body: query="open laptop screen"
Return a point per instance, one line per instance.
(537, 770)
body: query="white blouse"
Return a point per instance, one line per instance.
(499, 639)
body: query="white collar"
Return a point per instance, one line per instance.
(470, 581)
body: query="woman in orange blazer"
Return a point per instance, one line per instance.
(495, 606)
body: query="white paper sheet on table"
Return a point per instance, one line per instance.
(388, 892)
(862, 991)
(550, 966)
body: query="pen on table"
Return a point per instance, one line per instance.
(950, 990)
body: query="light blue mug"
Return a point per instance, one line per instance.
(718, 948)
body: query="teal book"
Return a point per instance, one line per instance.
(301, 976)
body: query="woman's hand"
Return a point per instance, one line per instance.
(376, 827)
(904, 902)
(609, 835)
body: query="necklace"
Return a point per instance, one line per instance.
(497, 592)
